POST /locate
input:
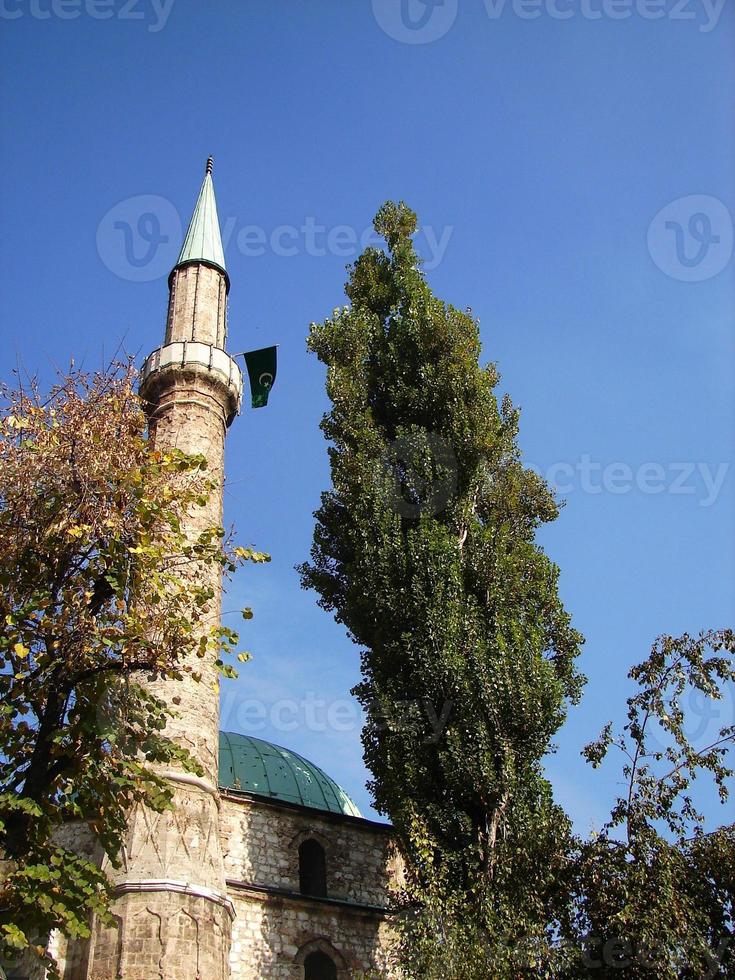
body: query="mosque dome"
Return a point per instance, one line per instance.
(252, 765)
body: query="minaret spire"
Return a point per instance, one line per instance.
(198, 283)
(203, 242)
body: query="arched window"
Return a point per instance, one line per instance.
(312, 869)
(319, 966)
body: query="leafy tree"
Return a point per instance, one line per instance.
(653, 892)
(424, 549)
(96, 590)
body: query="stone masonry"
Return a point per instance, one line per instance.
(275, 927)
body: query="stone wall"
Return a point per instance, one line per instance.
(190, 414)
(197, 307)
(163, 935)
(272, 935)
(275, 927)
(260, 844)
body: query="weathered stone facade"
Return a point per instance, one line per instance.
(260, 842)
(275, 926)
(197, 308)
(273, 936)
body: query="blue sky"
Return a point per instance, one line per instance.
(572, 165)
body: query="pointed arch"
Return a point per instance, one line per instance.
(318, 959)
(319, 966)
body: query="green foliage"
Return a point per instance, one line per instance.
(99, 585)
(424, 548)
(653, 892)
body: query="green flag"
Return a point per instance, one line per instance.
(262, 371)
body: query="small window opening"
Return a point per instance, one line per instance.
(312, 869)
(319, 966)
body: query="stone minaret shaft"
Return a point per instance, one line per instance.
(174, 918)
(192, 388)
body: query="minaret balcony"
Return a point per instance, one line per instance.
(191, 355)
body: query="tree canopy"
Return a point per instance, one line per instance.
(95, 592)
(424, 548)
(653, 892)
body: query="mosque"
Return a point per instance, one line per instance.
(264, 868)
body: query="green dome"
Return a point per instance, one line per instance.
(250, 765)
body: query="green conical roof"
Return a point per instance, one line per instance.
(250, 765)
(203, 242)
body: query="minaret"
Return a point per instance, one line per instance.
(173, 915)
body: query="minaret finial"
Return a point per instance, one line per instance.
(210, 164)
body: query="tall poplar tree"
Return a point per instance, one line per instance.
(424, 549)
